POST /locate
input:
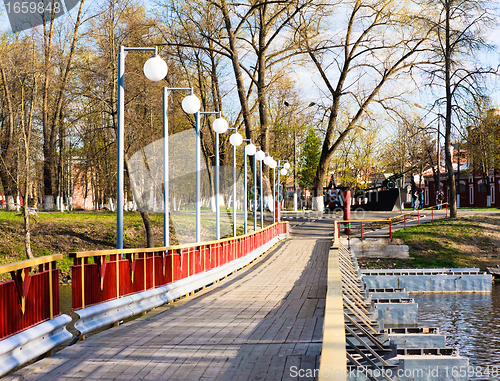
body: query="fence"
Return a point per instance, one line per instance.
(390, 222)
(29, 298)
(97, 278)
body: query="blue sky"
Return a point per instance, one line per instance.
(492, 58)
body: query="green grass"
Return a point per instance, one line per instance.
(430, 244)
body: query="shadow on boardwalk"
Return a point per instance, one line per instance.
(259, 324)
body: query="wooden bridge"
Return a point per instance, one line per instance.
(263, 322)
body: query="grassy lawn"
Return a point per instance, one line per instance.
(458, 242)
(65, 232)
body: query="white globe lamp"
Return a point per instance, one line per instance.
(260, 155)
(250, 149)
(286, 166)
(273, 164)
(191, 104)
(283, 171)
(155, 69)
(268, 160)
(236, 139)
(220, 125)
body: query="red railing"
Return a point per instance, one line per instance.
(415, 215)
(96, 278)
(29, 299)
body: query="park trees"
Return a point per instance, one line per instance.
(19, 80)
(122, 23)
(59, 49)
(357, 157)
(253, 41)
(483, 140)
(458, 30)
(311, 153)
(377, 43)
(411, 148)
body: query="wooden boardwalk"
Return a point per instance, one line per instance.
(259, 324)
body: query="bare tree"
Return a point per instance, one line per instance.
(55, 79)
(252, 40)
(458, 29)
(378, 44)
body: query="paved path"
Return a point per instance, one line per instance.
(255, 325)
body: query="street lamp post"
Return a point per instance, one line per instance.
(268, 160)
(155, 69)
(250, 150)
(283, 170)
(219, 126)
(273, 165)
(221, 122)
(235, 139)
(260, 156)
(295, 198)
(190, 105)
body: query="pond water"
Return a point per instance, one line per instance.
(471, 323)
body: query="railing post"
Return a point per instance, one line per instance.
(51, 292)
(154, 257)
(418, 217)
(446, 209)
(82, 263)
(432, 214)
(361, 229)
(404, 218)
(117, 277)
(390, 229)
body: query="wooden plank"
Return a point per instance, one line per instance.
(4, 269)
(247, 327)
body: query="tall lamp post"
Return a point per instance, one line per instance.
(235, 139)
(268, 160)
(283, 170)
(250, 150)
(190, 105)
(260, 156)
(219, 126)
(295, 198)
(155, 69)
(273, 165)
(438, 148)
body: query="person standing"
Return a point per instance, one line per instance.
(439, 199)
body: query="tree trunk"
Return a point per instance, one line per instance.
(447, 139)
(149, 229)
(27, 230)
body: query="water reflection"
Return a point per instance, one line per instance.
(471, 323)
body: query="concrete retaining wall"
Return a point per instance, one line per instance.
(431, 283)
(396, 313)
(418, 340)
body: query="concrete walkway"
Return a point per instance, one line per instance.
(254, 325)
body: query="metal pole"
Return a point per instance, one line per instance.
(166, 232)
(120, 140)
(198, 193)
(217, 210)
(438, 185)
(295, 201)
(261, 194)
(278, 203)
(120, 148)
(234, 191)
(274, 195)
(254, 193)
(245, 195)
